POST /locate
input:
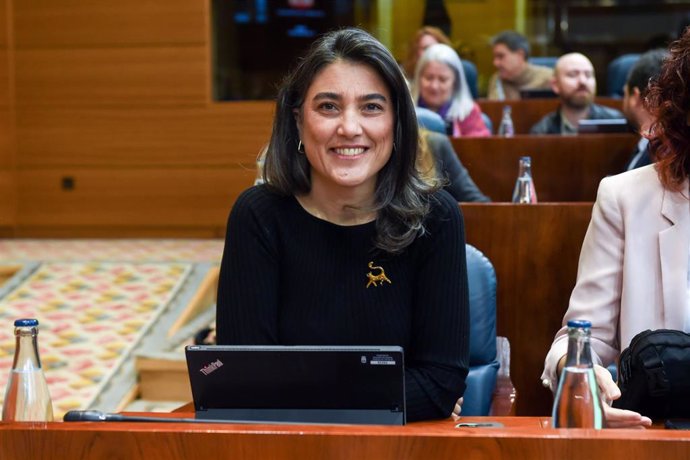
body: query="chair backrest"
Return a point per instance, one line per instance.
(482, 290)
(430, 120)
(487, 121)
(481, 379)
(471, 77)
(545, 61)
(617, 73)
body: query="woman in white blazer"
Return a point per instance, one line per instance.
(633, 268)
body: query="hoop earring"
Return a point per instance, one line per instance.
(300, 147)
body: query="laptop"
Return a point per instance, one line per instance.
(298, 384)
(537, 93)
(611, 125)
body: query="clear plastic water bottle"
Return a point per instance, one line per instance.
(577, 403)
(505, 393)
(506, 128)
(524, 191)
(27, 397)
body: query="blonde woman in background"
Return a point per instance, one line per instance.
(440, 85)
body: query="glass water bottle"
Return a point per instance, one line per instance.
(506, 127)
(524, 191)
(27, 397)
(577, 403)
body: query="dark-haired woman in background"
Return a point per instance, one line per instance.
(345, 244)
(423, 38)
(633, 271)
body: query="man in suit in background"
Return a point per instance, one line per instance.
(634, 93)
(513, 72)
(575, 84)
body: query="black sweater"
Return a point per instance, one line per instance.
(289, 278)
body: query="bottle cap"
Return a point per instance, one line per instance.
(26, 322)
(579, 323)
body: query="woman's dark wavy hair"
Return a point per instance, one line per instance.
(401, 198)
(668, 100)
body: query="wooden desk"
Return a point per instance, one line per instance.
(521, 438)
(565, 168)
(534, 250)
(527, 112)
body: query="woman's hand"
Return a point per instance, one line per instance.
(457, 409)
(616, 418)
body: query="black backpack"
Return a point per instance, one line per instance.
(654, 374)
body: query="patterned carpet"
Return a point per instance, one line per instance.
(98, 302)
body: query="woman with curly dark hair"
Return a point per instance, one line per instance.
(633, 269)
(669, 101)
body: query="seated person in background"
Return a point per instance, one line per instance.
(440, 85)
(423, 38)
(574, 82)
(513, 72)
(647, 67)
(345, 243)
(633, 269)
(438, 160)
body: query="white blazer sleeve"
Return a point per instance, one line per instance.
(597, 293)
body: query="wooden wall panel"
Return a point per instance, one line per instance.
(98, 23)
(535, 251)
(7, 173)
(4, 77)
(5, 96)
(4, 56)
(142, 76)
(564, 168)
(527, 112)
(4, 26)
(7, 200)
(225, 134)
(6, 136)
(129, 198)
(116, 97)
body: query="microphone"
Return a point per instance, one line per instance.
(98, 416)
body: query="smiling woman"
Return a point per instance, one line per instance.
(344, 243)
(346, 128)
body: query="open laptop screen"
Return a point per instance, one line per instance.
(302, 384)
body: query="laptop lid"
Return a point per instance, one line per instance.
(537, 93)
(610, 125)
(299, 384)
